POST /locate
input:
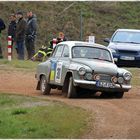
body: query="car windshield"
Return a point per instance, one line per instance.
(91, 53)
(127, 37)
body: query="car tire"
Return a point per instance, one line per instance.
(119, 95)
(71, 89)
(106, 95)
(44, 86)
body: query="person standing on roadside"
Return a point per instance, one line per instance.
(20, 35)
(62, 36)
(2, 27)
(30, 34)
(12, 28)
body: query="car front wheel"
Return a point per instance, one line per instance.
(44, 86)
(119, 95)
(71, 89)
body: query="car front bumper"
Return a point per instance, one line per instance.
(92, 85)
(126, 60)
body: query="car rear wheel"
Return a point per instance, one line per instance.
(44, 86)
(71, 89)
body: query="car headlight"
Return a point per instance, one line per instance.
(88, 76)
(114, 79)
(127, 76)
(120, 80)
(97, 77)
(82, 71)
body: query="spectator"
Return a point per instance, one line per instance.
(31, 34)
(62, 36)
(20, 35)
(2, 27)
(12, 28)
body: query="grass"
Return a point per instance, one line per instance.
(19, 64)
(135, 75)
(22, 117)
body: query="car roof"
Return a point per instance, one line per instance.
(82, 43)
(129, 30)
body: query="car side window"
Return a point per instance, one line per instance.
(66, 52)
(58, 51)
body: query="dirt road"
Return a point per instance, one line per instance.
(112, 118)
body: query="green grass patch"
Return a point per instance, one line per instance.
(26, 64)
(135, 75)
(8, 100)
(28, 119)
(19, 111)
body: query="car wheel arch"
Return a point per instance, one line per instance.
(39, 79)
(45, 87)
(40, 76)
(66, 81)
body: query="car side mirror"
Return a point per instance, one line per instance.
(115, 59)
(107, 40)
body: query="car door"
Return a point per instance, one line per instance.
(64, 60)
(56, 66)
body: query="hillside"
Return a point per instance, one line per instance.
(99, 18)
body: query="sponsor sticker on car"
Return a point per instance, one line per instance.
(58, 72)
(52, 74)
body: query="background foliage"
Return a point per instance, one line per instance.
(99, 18)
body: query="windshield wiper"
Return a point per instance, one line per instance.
(107, 60)
(96, 58)
(126, 42)
(102, 59)
(133, 42)
(118, 41)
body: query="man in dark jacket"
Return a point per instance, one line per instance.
(2, 27)
(12, 28)
(20, 35)
(30, 34)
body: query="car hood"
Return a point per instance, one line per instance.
(98, 66)
(124, 46)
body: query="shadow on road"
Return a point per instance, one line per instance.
(83, 95)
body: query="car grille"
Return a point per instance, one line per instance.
(104, 77)
(128, 52)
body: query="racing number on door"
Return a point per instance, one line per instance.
(58, 72)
